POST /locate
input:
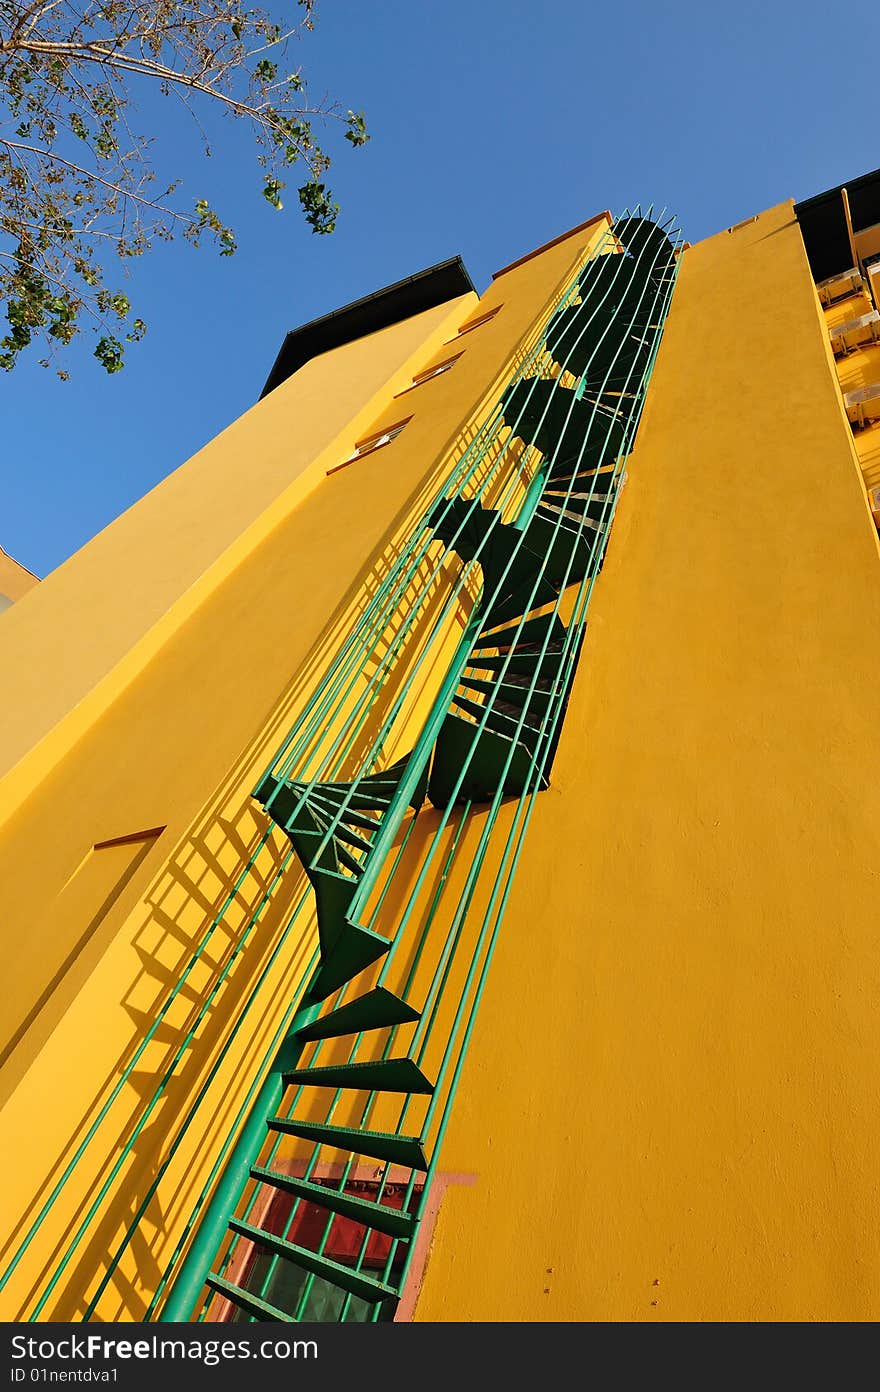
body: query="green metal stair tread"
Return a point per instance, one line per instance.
(608, 301)
(581, 351)
(315, 850)
(530, 681)
(309, 826)
(571, 517)
(535, 594)
(378, 1145)
(527, 733)
(345, 858)
(588, 457)
(355, 948)
(541, 409)
(307, 831)
(350, 816)
(371, 790)
(536, 700)
(530, 630)
(355, 1282)
(537, 674)
(343, 832)
(519, 664)
(380, 1075)
(460, 527)
(630, 304)
(612, 283)
(502, 552)
(521, 589)
(564, 497)
(621, 362)
(560, 492)
(297, 807)
(286, 807)
(596, 479)
(381, 779)
(605, 274)
(483, 775)
(610, 405)
(364, 802)
(558, 422)
(333, 896)
(564, 534)
(607, 384)
(394, 771)
(616, 333)
(597, 511)
(510, 566)
(420, 790)
(376, 1009)
(392, 1221)
(251, 1304)
(382, 788)
(508, 554)
(570, 551)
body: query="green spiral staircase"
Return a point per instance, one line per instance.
(489, 740)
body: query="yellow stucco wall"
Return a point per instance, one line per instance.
(670, 1100)
(15, 579)
(183, 641)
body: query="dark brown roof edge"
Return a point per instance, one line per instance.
(563, 236)
(425, 290)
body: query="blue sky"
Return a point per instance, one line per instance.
(496, 126)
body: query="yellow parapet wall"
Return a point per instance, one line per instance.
(669, 1104)
(15, 580)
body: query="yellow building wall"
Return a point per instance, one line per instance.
(669, 1103)
(183, 641)
(15, 579)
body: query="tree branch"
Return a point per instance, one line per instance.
(154, 204)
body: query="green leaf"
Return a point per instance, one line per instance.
(357, 130)
(320, 211)
(110, 354)
(272, 192)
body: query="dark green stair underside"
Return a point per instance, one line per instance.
(376, 1009)
(379, 1145)
(481, 780)
(530, 631)
(355, 948)
(383, 1075)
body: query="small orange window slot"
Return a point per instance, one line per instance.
(478, 323)
(372, 443)
(436, 371)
